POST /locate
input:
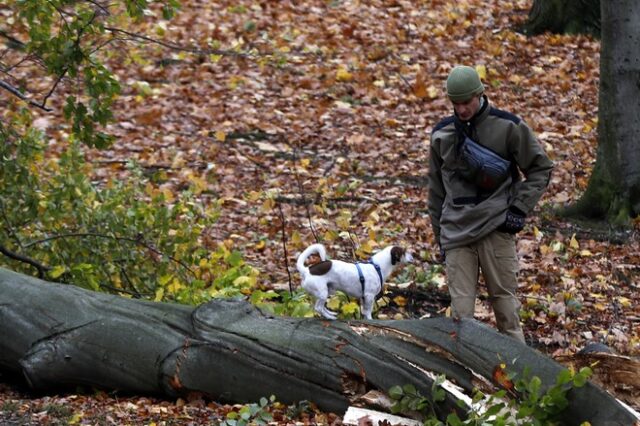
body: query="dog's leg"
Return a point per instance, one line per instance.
(323, 310)
(367, 306)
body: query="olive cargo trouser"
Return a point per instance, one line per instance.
(497, 257)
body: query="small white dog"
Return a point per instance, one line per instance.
(362, 280)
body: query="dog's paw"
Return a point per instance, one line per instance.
(328, 314)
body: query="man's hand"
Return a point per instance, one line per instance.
(514, 222)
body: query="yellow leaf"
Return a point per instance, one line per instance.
(343, 221)
(242, 281)
(333, 303)
(515, 78)
(254, 196)
(221, 136)
(295, 238)
(305, 162)
(624, 302)
(175, 286)
(198, 184)
(330, 235)
(350, 308)
(57, 271)
(159, 294)
(260, 245)
(164, 280)
(600, 307)
(161, 28)
(432, 92)
(168, 195)
(366, 248)
(537, 233)
(343, 75)
(482, 71)
(586, 253)
(268, 204)
(75, 419)
(400, 301)
(574, 243)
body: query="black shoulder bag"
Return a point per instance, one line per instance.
(481, 165)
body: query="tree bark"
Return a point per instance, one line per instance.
(63, 335)
(613, 192)
(564, 16)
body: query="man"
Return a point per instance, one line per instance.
(478, 200)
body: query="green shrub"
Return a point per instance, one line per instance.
(532, 407)
(126, 235)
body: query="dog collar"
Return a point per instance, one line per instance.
(361, 275)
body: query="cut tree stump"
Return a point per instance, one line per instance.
(61, 335)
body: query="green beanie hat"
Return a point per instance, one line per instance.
(463, 83)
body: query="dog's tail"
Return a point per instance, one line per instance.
(314, 248)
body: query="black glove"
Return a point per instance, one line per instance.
(514, 222)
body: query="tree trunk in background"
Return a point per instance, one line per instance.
(613, 192)
(564, 16)
(59, 335)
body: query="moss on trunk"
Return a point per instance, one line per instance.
(564, 16)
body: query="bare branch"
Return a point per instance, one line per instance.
(19, 94)
(138, 240)
(284, 245)
(12, 39)
(142, 37)
(42, 269)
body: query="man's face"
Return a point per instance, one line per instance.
(467, 109)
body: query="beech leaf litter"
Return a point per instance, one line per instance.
(314, 117)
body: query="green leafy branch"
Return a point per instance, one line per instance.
(534, 405)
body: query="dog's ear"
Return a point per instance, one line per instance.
(396, 254)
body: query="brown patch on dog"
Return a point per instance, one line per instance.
(396, 254)
(320, 268)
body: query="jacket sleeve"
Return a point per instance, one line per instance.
(534, 164)
(436, 188)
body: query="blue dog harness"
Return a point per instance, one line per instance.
(361, 276)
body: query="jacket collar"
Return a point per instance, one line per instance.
(469, 126)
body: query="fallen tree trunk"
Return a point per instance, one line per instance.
(60, 335)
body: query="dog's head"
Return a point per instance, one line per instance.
(399, 254)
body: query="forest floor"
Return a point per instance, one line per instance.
(319, 128)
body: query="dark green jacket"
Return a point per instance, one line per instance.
(461, 213)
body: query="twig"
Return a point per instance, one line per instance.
(18, 94)
(12, 39)
(302, 194)
(284, 246)
(137, 240)
(172, 46)
(24, 259)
